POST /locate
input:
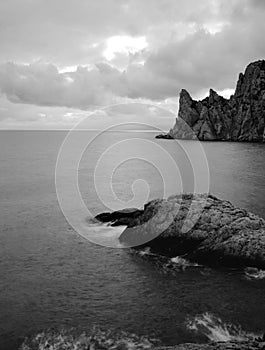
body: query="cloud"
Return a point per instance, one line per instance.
(124, 50)
(124, 116)
(42, 84)
(207, 56)
(75, 32)
(65, 32)
(27, 116)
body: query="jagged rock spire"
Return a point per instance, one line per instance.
(240, 118)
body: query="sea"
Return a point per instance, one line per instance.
(60, 269)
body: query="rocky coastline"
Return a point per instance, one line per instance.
(200, 228)
(215, 118)
(252, 345)
(107, 340)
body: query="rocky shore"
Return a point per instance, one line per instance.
(215, 118)
(201, 228)
(211, 346)
(253, 345)
(98, 339)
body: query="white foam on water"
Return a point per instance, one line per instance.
(252, 273)
(146, 251)
(103, 234)
(216, 330)
(95, 339)
(182, 262)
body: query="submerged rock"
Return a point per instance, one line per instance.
(201, 228)
(239, 118)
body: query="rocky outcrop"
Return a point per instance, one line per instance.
(240, 118)
(164, 136)
(202, 228)
(108, 340)
(121, 217)
(248, 345)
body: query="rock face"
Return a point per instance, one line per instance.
(200, 227)
(240, 118)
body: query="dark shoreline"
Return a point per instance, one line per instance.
(98, 339)
(169, 137)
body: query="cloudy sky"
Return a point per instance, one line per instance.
(62, 59)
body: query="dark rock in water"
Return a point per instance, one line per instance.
(120, 217)
(246, 345)
(106, 340)
(239, 118)
(95, 339)
(202, 227)
(164, 136)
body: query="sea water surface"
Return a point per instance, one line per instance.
(52, 277)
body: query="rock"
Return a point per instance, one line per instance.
(98, 339)
(240, 118)
(247, 345)
(164, 136)
(120, 217)
(202, 227)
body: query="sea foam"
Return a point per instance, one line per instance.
(216, 330)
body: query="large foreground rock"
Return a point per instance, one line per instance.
(240, 118)
(200, 227)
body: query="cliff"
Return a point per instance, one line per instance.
(240, 118)
(200, 227)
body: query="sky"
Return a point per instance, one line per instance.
(65, 60)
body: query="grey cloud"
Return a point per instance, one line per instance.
(42, 84)
(64, 31)
(202, 60)
(196, 61)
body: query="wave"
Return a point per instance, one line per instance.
(252, 273)
(95, 339)
(175, 264)
(147, 252)
(216, 330)
(102, 233)
(184, 262)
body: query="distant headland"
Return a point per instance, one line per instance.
(215, 118)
